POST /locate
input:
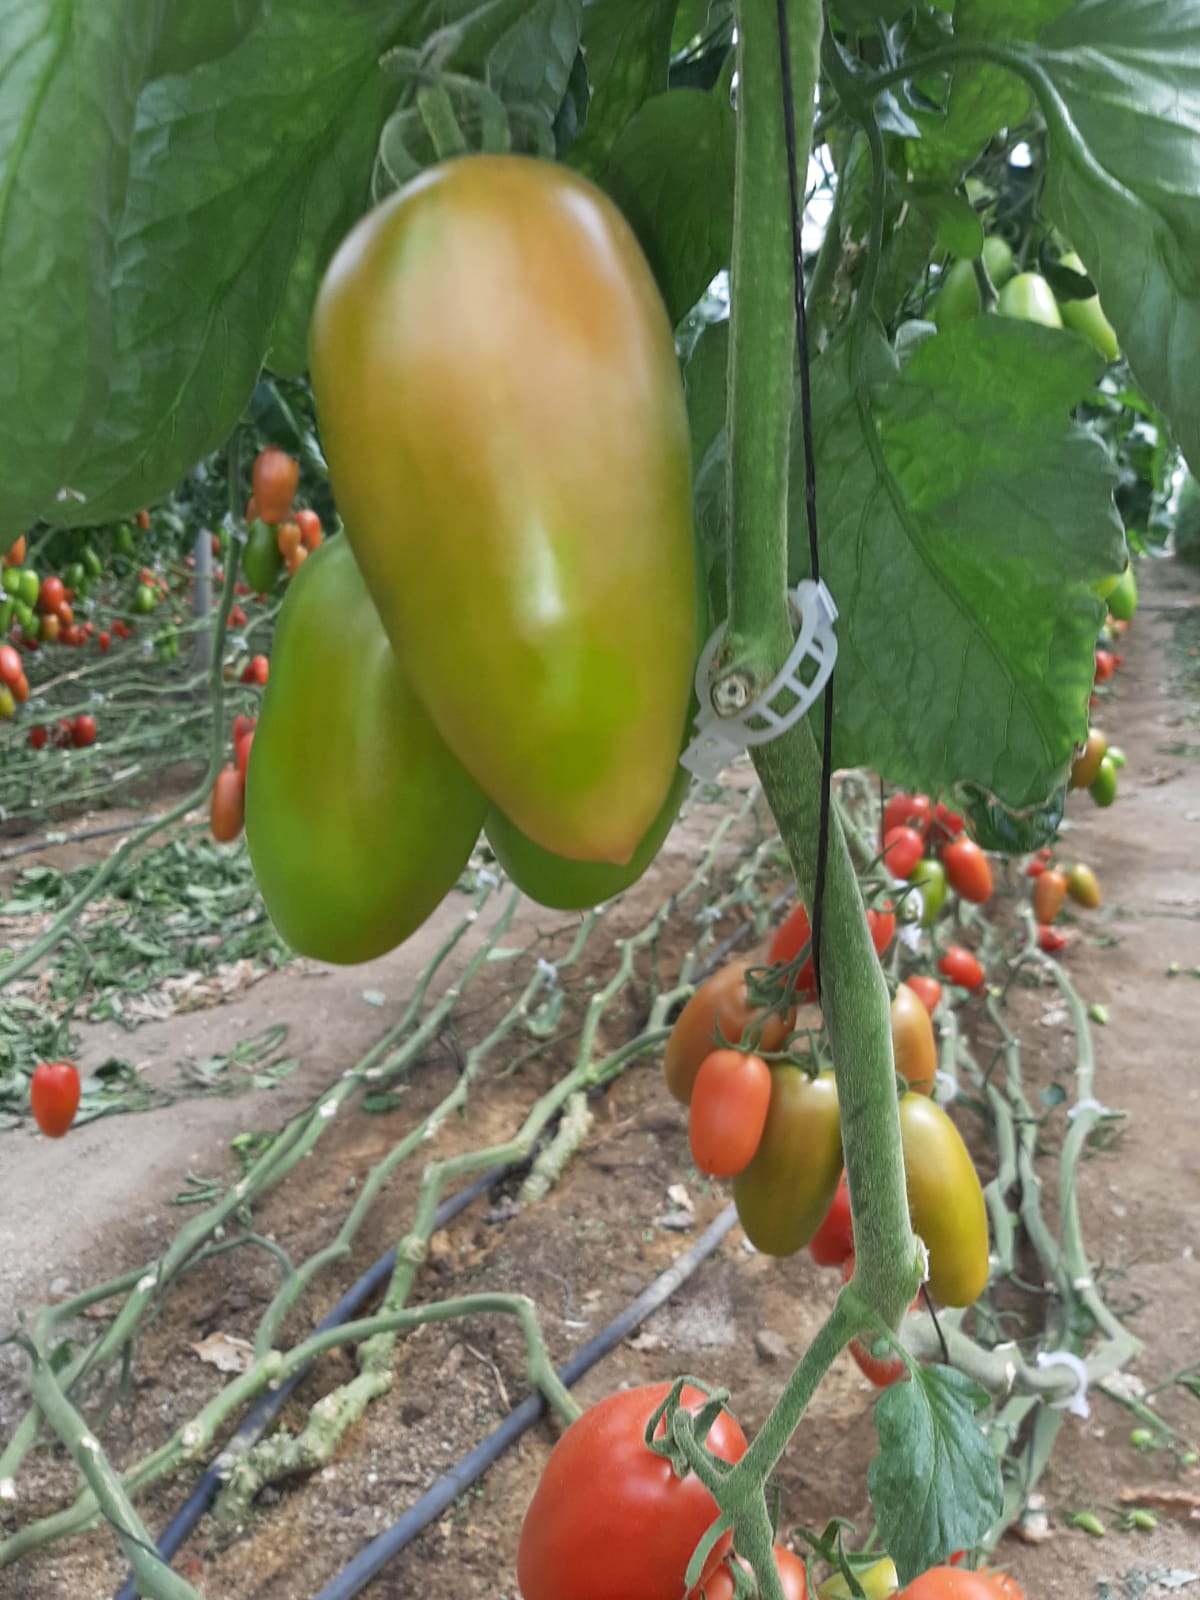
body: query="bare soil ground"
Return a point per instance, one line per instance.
(597, 1240)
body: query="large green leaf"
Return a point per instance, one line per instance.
(1119, 83)
(671, 172)
(962, 518)
(69, 82)
(627, 45)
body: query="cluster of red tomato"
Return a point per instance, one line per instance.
(227, 812)
(631, 1529)
(279, 537)
(71, 732)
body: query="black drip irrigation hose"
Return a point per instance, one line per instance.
(267, 1409)
(479, 1459)
(374, 1556)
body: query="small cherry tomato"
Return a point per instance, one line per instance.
(1051, 939)
(15, 555)
(83, 730)
(143, 520)
(1103, 789)
(927, 990)
(65, 614)
(790, 1568)
(256, 671)
(902, 848)
(1106, 665)
(49, 628)
(1087, 764)
(10, 665)
(228, 811)
(274, 478)
(908, 811)
(54, 1097)
(242, 749)
(929, 878)
(882, 923)
(20, 689)
(968, 871)
(728, 1111)
(50, 595)
(947, 825)
(719, 1014)
(38, 736)
(1035, 868)
(287, 538)
(309, 524)
(1049, 892)
(103, 640)
(961, 968)
(1083, 886)
(242, 724)
(120, 629)
(913, 1044)
(885, 1368)
(833, 1241)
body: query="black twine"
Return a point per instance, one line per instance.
(810, 475)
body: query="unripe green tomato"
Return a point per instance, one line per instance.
(929, 876)
(504, 419)
(998, 259)
(958, 300)
(1116, 755)
(1104, 787)
(262, 562)
(1029, 298)
(124, 539)
(144, 599)
(31, 623)
(1087, 316)
(92, 562)
(1123, 598)
(73, 575)
(11, 579)
(354, 851)
(29, 586)
(879, 1582)
(575, 885)
(7, 607)
(945, 1200)
(26, 619)
(1105, 586)
(7, 702)
(783, 1195)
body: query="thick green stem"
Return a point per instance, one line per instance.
(762, 341)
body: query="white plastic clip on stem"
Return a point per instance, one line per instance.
(718, 740)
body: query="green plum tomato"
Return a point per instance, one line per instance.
(998, 259)
(355, 844)
(1123, 598)
(1029, 298)
(782, 1197)
(1103, 788)
(262, 562)
(946, 1201)
(1087, 316)
(502, 410)
(959, 300)
(929, 877)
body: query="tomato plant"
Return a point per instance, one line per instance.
(54, 1097)
(555, 649)
(609, 1517)
(728, 1111)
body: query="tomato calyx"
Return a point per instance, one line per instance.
(661, 1429)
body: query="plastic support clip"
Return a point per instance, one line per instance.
(717, 740)
(1076, 1402)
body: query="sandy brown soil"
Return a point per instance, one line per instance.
(598, 1239)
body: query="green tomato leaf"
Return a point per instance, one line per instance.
(962, 519)
(69, 81)
(935, 1485)
(627, 46)
(671, 172)
(1014, 833)
(956, 226)
(1119, 84)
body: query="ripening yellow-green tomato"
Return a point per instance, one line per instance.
(877, 1583)
(945, 1200)
(1029, 298)
(783, 1195)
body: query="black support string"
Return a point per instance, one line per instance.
(810, 473)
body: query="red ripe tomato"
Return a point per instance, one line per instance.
(51, 595)
(1035, 868)
(83, 730)
(789, 1567)
(609, 1517)
(72, 635)
(242, 750)
(790, 939)
(947, 825)
(833, 1242)
(1106, 665)
(908, 811)
(902, 849)
(962, 968)
(64, 613)
(237, 617)
(1049, 892)
(10, 665)
(1051, 939)
(728, 1111)
(309, 524)
(882, 923)
(927, 990)
(884, 1370)
(104, 640)
(256, 671)
(242, 725)
(968, 871)
(275, 477)
(20, 689)
(953, 1583)
(38, 736)
(54, 1097)
(1046, 853)
(228, 812)
(121, 629)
